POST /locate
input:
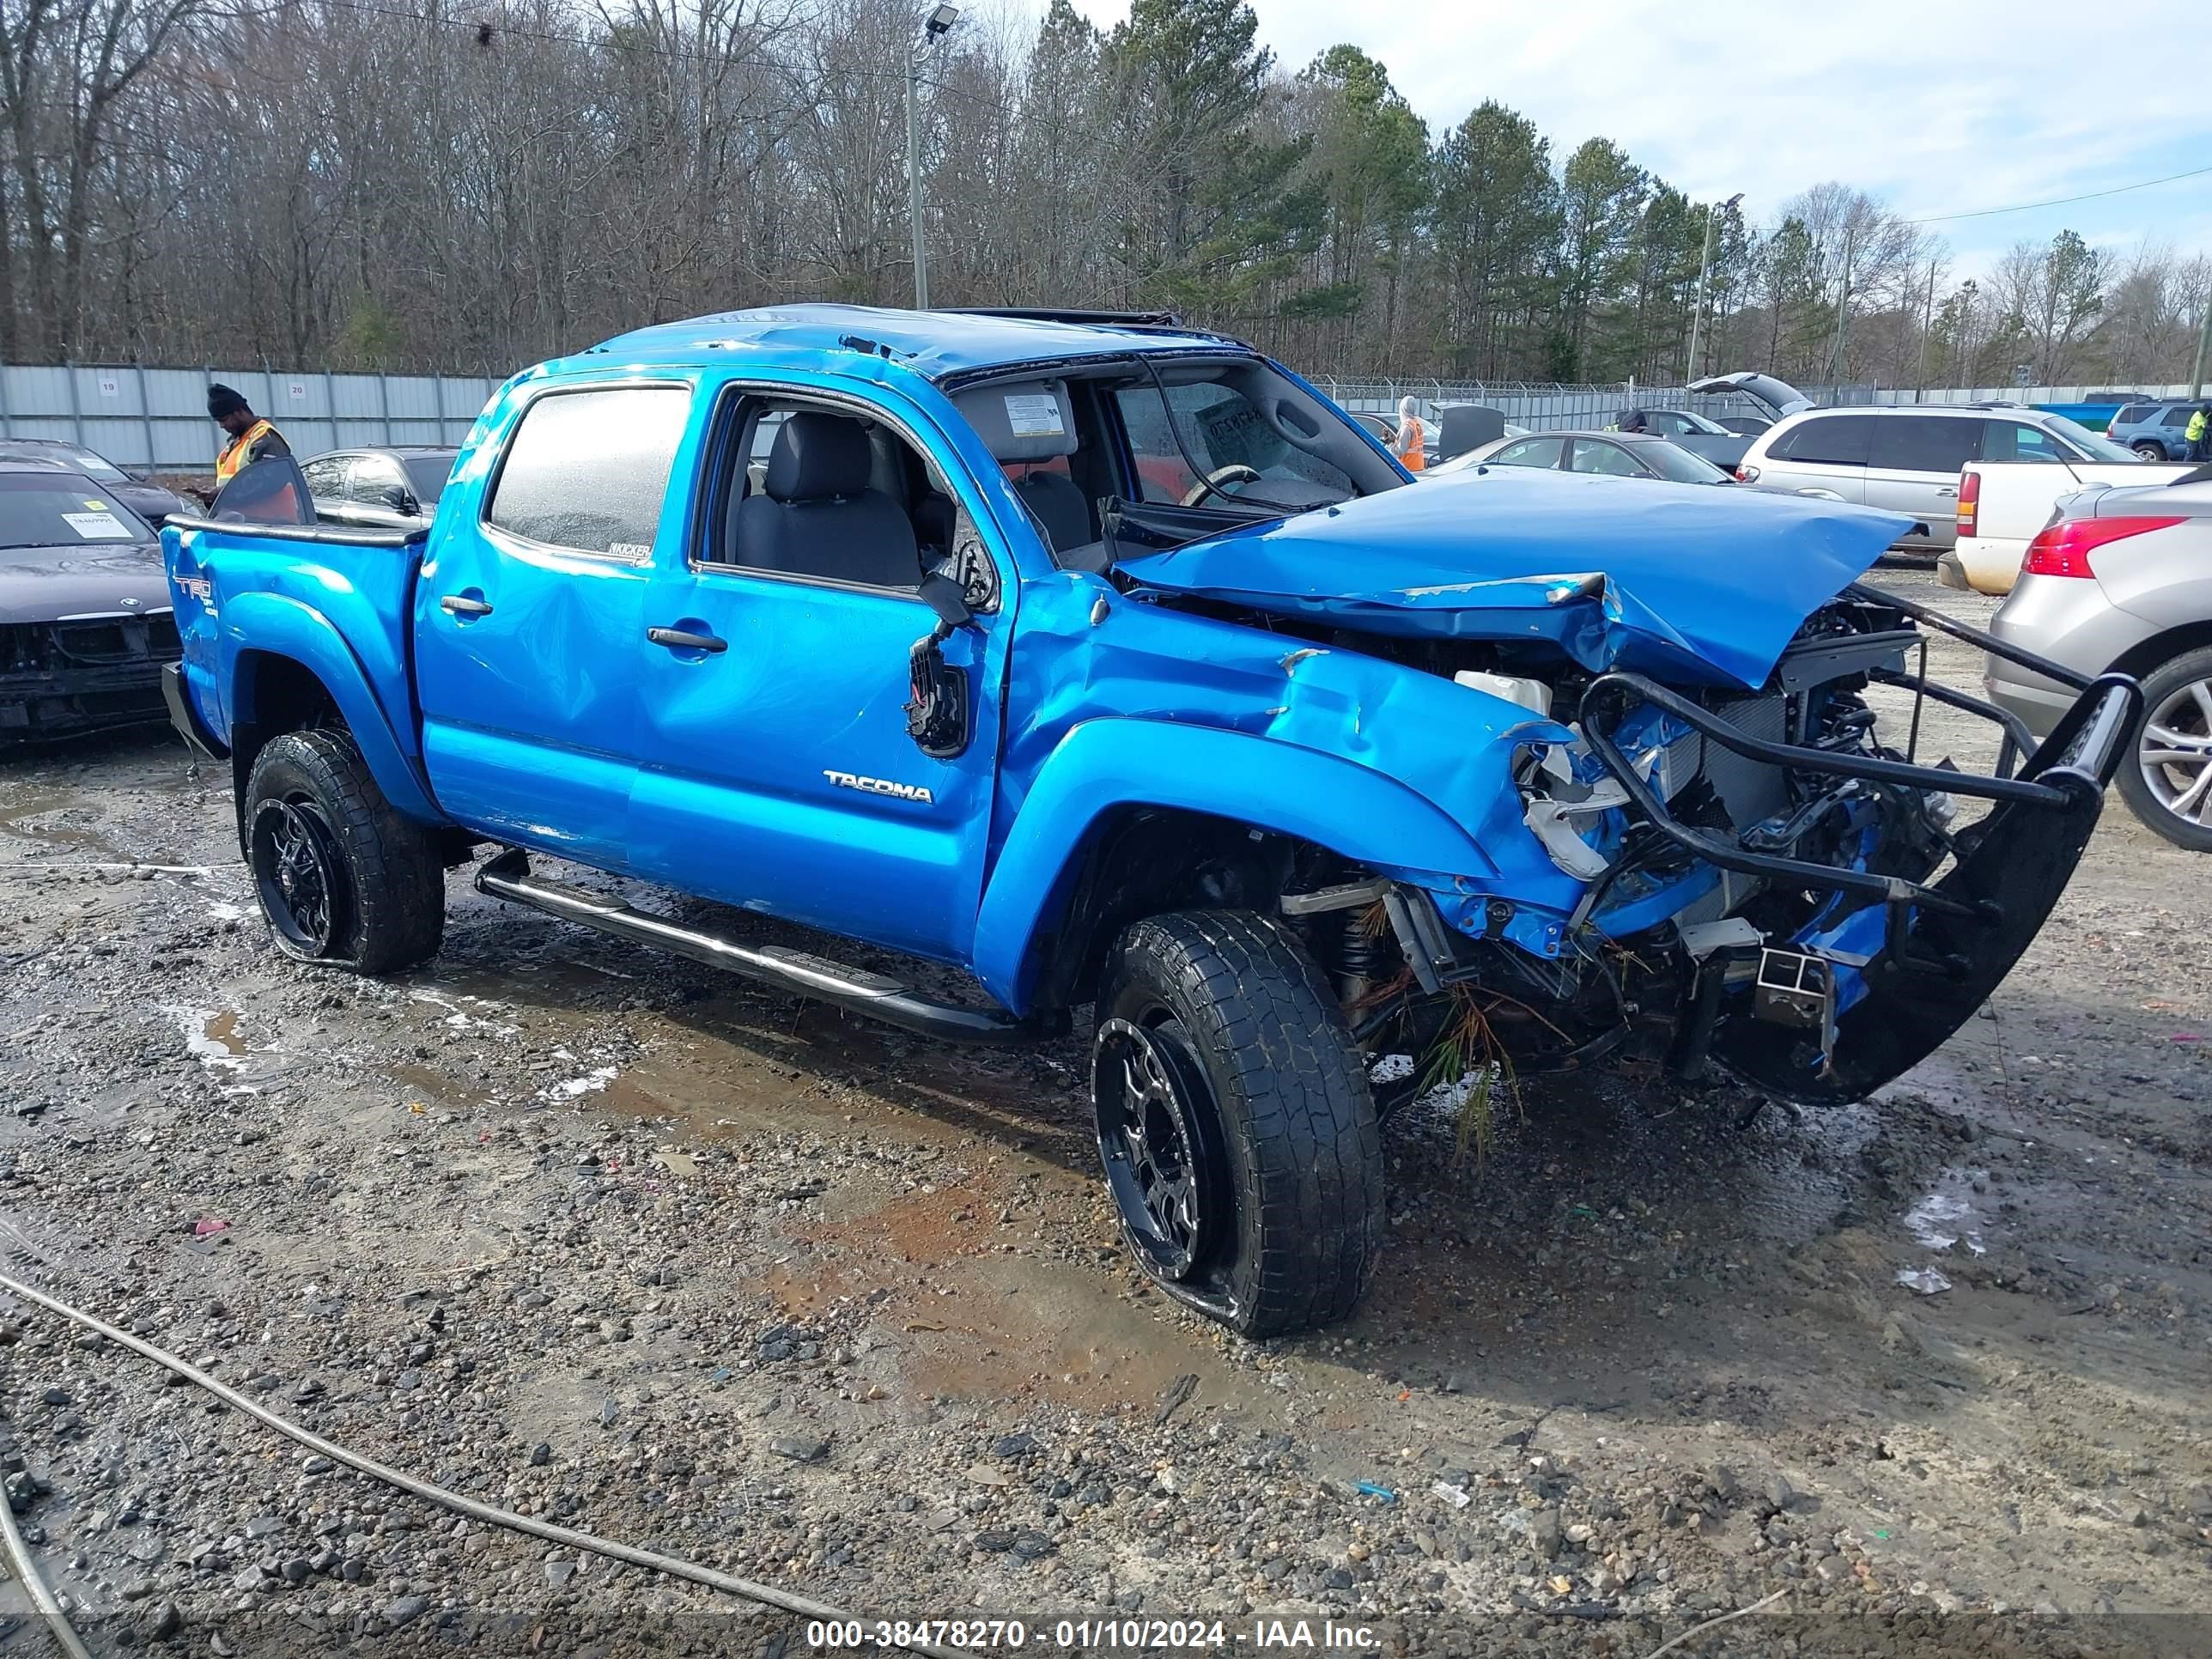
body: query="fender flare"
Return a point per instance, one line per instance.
(1103, 765)
(274, 625)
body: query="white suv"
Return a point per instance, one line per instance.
(1906, 459)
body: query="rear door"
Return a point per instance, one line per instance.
(530, 616)
(1913, 463)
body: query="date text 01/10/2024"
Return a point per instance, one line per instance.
(1096, 1635)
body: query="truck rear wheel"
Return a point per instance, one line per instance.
(1234, 1123)
(345, 881)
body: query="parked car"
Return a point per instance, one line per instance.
(1700, 437)
(1617, 454)
(2002, 504)
(2154, 430)
(1908, 459)
(2123, 581)
(150, 502)
(378, 489)
(85, 622)
(1283, 764)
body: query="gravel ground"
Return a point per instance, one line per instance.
(609, 1239)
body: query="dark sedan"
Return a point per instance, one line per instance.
(85, 621)
(394, 489)
(149, 501)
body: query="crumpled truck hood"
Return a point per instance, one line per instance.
(1705, 582)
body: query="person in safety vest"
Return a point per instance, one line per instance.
(2200, 448)
(252, 437)
(1411, 444)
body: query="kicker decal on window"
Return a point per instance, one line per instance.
(1033, 415)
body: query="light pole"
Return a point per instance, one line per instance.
(1704, 266)
(934, 27)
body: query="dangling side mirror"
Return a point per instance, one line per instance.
(943, 596)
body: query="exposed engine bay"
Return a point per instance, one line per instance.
(1745, 906)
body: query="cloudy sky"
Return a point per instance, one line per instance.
(1939, 107)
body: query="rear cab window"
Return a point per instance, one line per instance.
(588, 471)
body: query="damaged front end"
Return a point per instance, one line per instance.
(84, 674)
(1717, 850)
(1766, 884)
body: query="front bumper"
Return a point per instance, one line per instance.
(67, 679)
(1943, 945)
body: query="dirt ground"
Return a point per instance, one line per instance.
(612, 1239)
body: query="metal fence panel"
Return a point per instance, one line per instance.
(154, 419)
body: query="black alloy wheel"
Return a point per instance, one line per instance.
(300, 873)
(1159, 1136)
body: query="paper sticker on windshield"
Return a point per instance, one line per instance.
(98, 507)
(98, 527)
(1033, 415)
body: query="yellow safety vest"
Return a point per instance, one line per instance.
(235, 452)
(2194, 430)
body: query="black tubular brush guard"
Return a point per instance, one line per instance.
(1948, 944)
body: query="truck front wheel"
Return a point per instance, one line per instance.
(1234, 1119)
(345, 881)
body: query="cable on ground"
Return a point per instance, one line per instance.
(728, 1583)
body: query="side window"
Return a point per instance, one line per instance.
(2133, 414)
(1827, 441)
(1529, 452)
(1220, 428)
(2176, 415)
(589, 470)
(1596, 455)
(377, 482)
(828, 495)
(2016, 440)
(325, 477)
(1924, 443)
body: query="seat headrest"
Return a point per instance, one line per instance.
(1021, 419)
(818, 457)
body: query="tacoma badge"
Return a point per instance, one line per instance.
(913, 791)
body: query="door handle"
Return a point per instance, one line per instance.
(677, 639)
(460, 604)
(1941, 493)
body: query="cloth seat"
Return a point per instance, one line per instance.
(817, 516)
(1057, 501)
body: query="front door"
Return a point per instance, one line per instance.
(776, 770)
(530, 619)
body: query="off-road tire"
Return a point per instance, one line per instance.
(1293, 1156)
(2158, 686)
(2151, 451)
(387, 907)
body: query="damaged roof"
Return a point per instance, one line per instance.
(936, 344)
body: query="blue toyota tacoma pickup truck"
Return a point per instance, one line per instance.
(1109, 661)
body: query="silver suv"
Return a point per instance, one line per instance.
(1907, 460)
